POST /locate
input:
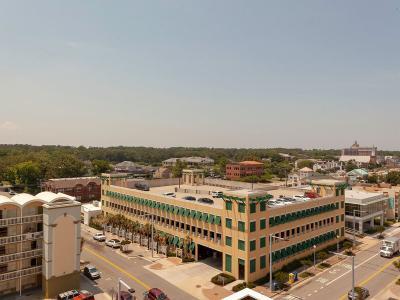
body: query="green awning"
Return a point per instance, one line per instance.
(211, 219)
(176, 210)
(182, 211)
(192, 213)
(217, 220)
(198, 215)
(187, 212)
(180, 244)
(170, 238)
(204, 217)
(175, 241)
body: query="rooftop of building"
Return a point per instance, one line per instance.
(190, 159)
(68, 182)
(247, 163)
(94, 206)
(362, 197)
(24, 199)
(327, 182)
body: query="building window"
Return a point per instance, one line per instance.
(228, 223)
(263, 224)
(242, 207)
(241, 226)
(253, 208)
(228, 263)
(263, 262)
(228, 241)
(241, 245)
(253, 245)
(228, 205)
(252, 265)
(263, 206)
(337, 219)
(342, 204)
(342, 218)
(252, 226)
(262, 242)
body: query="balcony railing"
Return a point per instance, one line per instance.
(20, 255)
(21, 237)
(20, 273)
(21, 220)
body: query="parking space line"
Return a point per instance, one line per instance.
(147, 287)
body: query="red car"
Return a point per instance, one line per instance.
(155, 294)
(84, 295)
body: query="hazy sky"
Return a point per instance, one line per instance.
(313, 74)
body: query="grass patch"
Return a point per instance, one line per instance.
(242, 286)
(306, 274)
(222, 279)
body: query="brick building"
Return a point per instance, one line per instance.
(84, 189)
(243, 169)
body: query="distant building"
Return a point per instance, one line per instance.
(243, 169)
(366, 207)
(286, 156)
(299, 178)
(322, 165)
(192, 161)
(89, 211)
(357, 175)
(128, 167)
(362, 156)
(162, 172)
(84, 189)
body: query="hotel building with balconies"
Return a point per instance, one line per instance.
(234, 229)
(30, 226)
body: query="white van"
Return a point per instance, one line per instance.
(217, 194)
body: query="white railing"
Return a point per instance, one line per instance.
(20, 255)
(23, 220)
(21, 237)
(20, 273)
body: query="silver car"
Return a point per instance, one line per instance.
(113, 243)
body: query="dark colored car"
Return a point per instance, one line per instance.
(190, 198)
(360, 293)
(91, 272)
(206, 200)
(142, 186)
(155, 294)
(69, 295)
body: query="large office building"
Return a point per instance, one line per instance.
(234, 229)
(84, 189)
(362, 156)
(243, 169)
(39, 243)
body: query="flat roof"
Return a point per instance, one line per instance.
(362, 195)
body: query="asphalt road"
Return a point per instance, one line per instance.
(113, 265)
(371, 271)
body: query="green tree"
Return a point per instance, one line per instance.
(393, 178)
(26, 173)
(100, 166)
(350, 166)
(373, 178)
(281, 277)
(177, 169)
(305, 163)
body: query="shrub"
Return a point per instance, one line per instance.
(171, 254)
(222, 279)
(388, 223)
(349, 252)
(281, 277)
(347, 245)
(187, 259)
(125, 242)
(306, 274)
(242, 286)
(293, 265)
(322, 255)
(262, 280)
(397, 264)
(306, 262)
(324, 265)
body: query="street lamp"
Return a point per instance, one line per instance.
(120, 282)
(352, 269)
(314, 247)
(271, 237)
(354, 224)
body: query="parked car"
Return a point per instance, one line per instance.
(360, 293)
(123, 295)
(91, 272)
(190, 198)
(206, 200)
(113, 243)
(69, 295)
(155, 294)
(169, 194)
(142, 186)
(100, 237)
(84, 295)
(217, 194)
(301, 198)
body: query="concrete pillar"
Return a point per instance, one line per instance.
(196, 252)
(371, 223)
(360, 226)
(381, 219)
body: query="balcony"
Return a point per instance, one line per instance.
(20, 255)
(20, 273)
(21, 220)
(21, 237)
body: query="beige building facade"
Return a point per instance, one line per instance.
(235, 228)
(33, 233)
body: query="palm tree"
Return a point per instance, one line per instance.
(186, 243)
(147, 231)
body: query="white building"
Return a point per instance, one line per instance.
(90, 210)
(366, 207)
(192, 161)
(322, 165)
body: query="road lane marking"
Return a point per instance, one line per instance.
(147, 287)
(373, 275)
(349, 271)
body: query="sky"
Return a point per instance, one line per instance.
(309, 74)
